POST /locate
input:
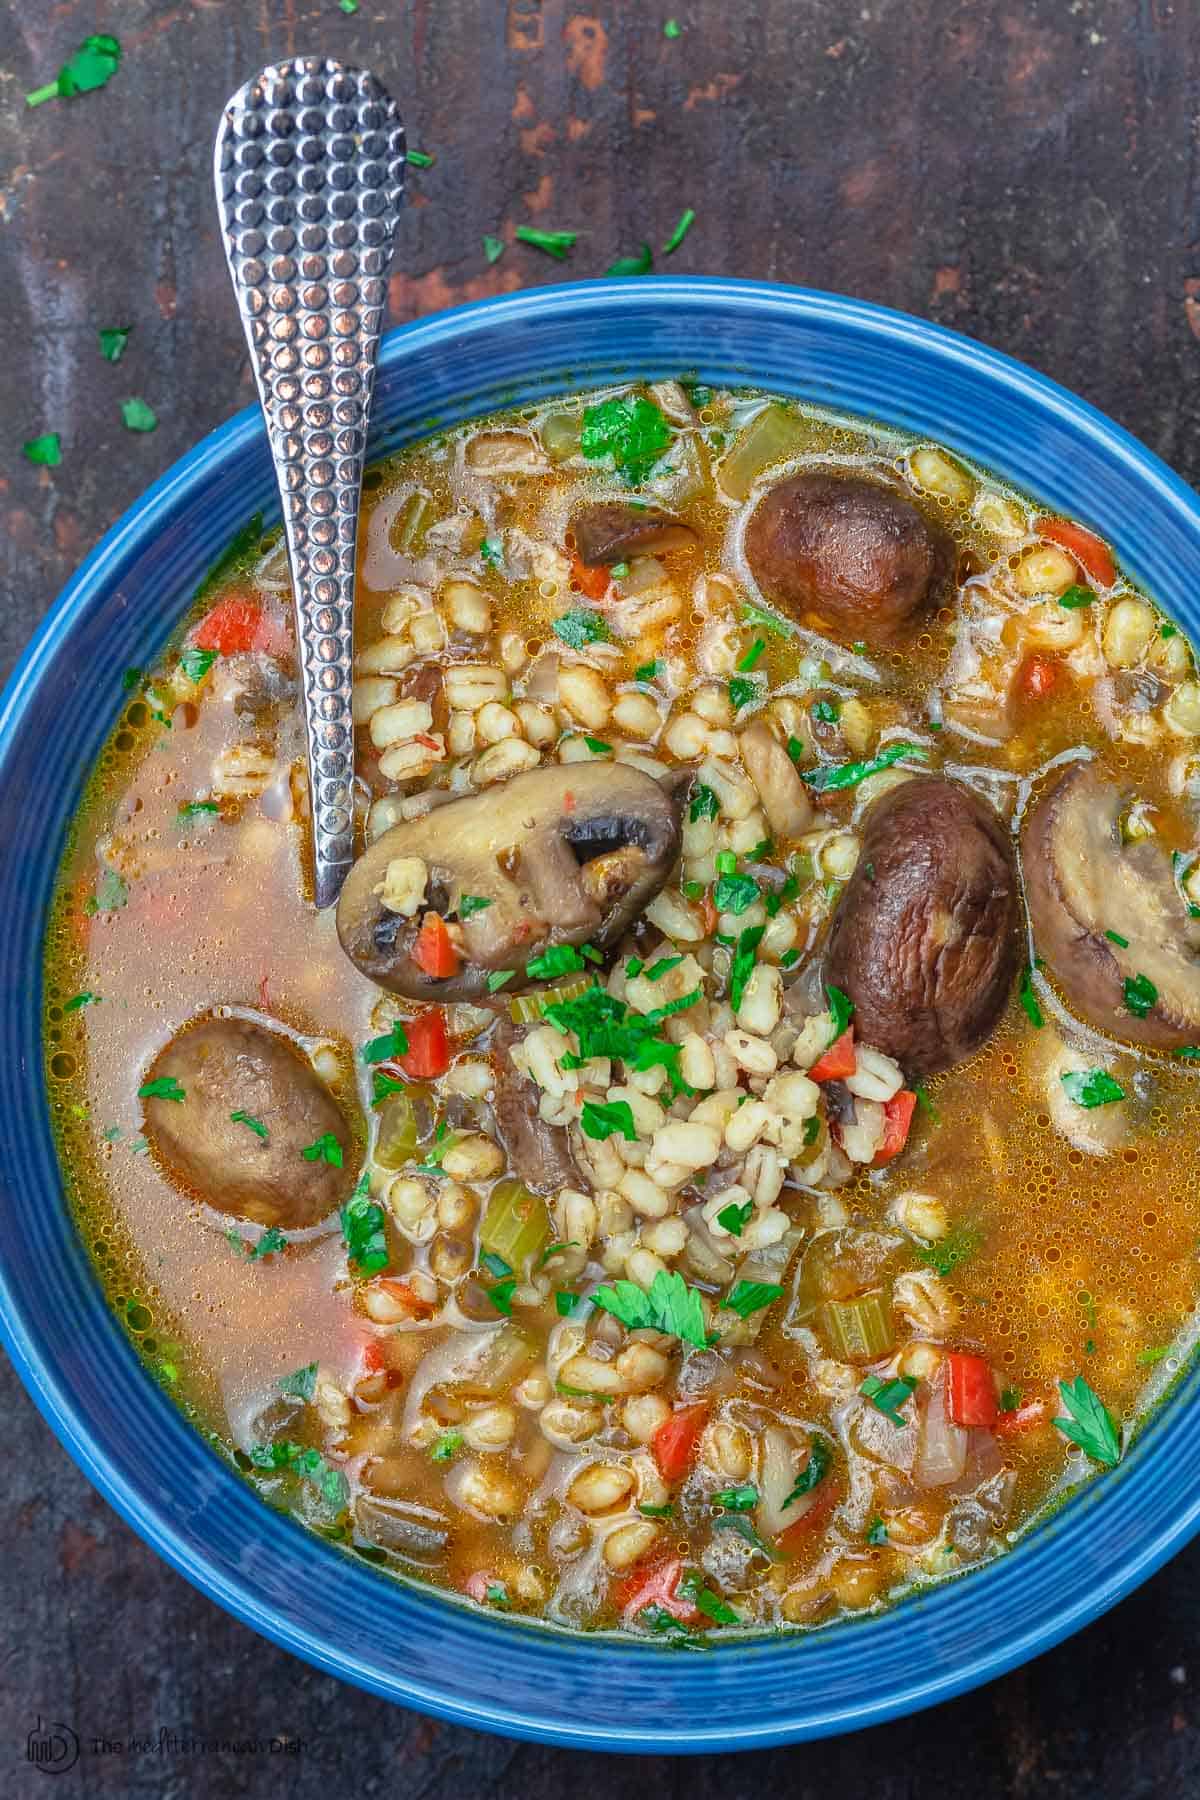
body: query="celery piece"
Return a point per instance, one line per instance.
(561, 433)
(859, 1330)
(516, 1225)
(410, 523)
(525, 1009)
(773, 435)
(398, 1132)
(503, 1360)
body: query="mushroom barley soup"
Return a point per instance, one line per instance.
(730, 1156)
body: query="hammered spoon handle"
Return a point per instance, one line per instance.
(309, 170)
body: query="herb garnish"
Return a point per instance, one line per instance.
(324, 1149)
(420, 159)
(734, 893)
(362, 1230)
(165, 1087)
(877, 1531)
(647, 671)
(558, 959)
(498, 979)
(554, 243)
(672, 29)
(670, 1306)
(750, 1296)
(747, 662)
(493, 248)
(704, 804)
(1075, 597)
(742, 966)
(1092, 1087)
(331, 1484)
(113, 339)
(196, 663)
(841, 1010)
(630, 429)
(1090, 1424)
(641, 264)
(687, 218)
(44, 451)
(828, 779)
(734, 1218)
(470, 904)
(945, 1254)
(1116, 938)
(138, 416)
(300, 1385)
(600, 1119)
(445, 1446)
(250, 1122)
(93, 65)
(742, 690)
(581, 627)
(391, 1043)
(78, 1000)
(737, 1499)
(657, 970)
(111, 894)
(1140, 995)
(888, 1396)
(820, 1456)
(691, 1586)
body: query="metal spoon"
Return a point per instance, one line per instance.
(309, 169)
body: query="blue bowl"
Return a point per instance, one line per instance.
(420, 1648)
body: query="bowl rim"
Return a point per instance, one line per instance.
(526, 1717)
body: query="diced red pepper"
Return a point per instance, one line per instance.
(838, 1061)
(372, 1357)
(592, 579)
(970, 1390)
(233, 624)
(1038, 677)
(897, 1121)
(794, 1537)
(434, 952)
(1090, 552)
(653, 1584)
(674, 1443)
(428, 1052)
(1020, 1418)
(708, 908)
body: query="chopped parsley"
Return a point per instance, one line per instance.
(600, 1119)
(165, 1087)
(735, 893)
(251, 1123)
(301, 1384)
(110, 895)
(648, 671)
(363, 1232)
(382, 1085)
(671, 1306)
(641, 264)
(559, 959)
(691, 1586)
(1188, 1053)
(1092, 1087)
(888, 1396)
(672, 29)
(656, 1512)
(657, 970)
(820, 1456)
(391, 1043)
(747, 662)
(841, 1010)
(1010, 1399)
(742, 966)
(501, 1295)
(1075, 597)
(687, 218)
(271, 1241)
(1140, 995)
(619, 571)
(1090, 1424)
(751, 1296)
(704, 804)
(581, 627)
(565, 1302)
(826, 712)
(331, 1484)
(944, 1254)
(1029, 1000)
(606, 1028)
(1116, 938)
(78, 1000)
(742, 690)
(877, 1531)
(324, 1149)
(420, 159)
(735, 1217)
(598, 747)
(631, 430)
(446, 1446)
(1146, 1358)
(555, 243)
(44, 451)
(196, 663)
(498, 979)
(197, 809)
(470, 904)
(93, 65)
(757, 615)
(829, 779)
(138, 416)
(491, 552)
(113, 339)
(737, 1499)
(493, 248)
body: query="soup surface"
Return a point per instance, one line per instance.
(730, 1158)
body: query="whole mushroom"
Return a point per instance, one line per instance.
(567, 854)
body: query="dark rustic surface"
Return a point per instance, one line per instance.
(1023, 171)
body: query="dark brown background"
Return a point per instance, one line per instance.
(1025, 171)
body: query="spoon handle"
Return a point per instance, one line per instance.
(309, 170)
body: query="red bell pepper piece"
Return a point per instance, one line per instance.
(592, 579)
(434, 952)
(970, 1390)
(674, 1443)
(897, 1121)
(233, 624)
(653, 1584)
(838, 1061)
(1090, 552)
(428, 1052)
(1038, 677)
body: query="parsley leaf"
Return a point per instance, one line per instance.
(749, 1296)
(251, 1123)
(445, 1446)
(641, 264)
(581, 627)
(138, 416)
(820, 1455)
(470, 904)
(498, 979)
(420, 159)
(671, 1306)
(687, 218)
(166, 1087)
(756, 615)
(735, 893)
(331, 1484)
(559, 959)
(877, 1531)
(324, 1149)
(704, 804)
(742, 966)
(1140, 995)
(600, 1119)
(630, 429)
(672, 29)
(841, 1010)
(647, 671)
(93, 65)
(1029, 1000)
(828, 779)
(657, 970)
(113, 339)
(391, 1043)
(493, 248)
(742, 690)
(554, 243)
(888, 1396)
(737, 1499)
(1090, 1424)
(944, 1254)
(78, 1000)
(1092, 1087)
(300, 1385)
(1075, 597)
(196, 663)
(44, 451)
(363, 1232)
(1115, 937)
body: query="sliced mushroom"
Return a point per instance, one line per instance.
(783, 794)
(539, 1152)
(561, 855)
(924, 940)
(613, 531)
(846, 555)
(1082, 883)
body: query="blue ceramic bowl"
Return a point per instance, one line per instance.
(417, 1647)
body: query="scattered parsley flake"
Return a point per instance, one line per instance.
(734, 1218)
(1091, 1087)
(641, 264)
(742, 966)
(820, 1456)
(1116, 938)
(44, 451)
(648, 671)
(1090, 1424)
(93, 65)
(420, 159)
(630, 429)
(672, 29)
(1029, 1000)
(887, 1396)
(113, 339)
(657, 970)
(751, 1296)
(250, 1122)
(841, 1010)
(1075, 597)
(165, 1087)
(301, 1384)
(559, 959)
(829, 779)
(493, 248)
(196, 663)
(470, 904)
(580, 627)
(670, 1306)
(78, 1000)
(499, 978)
(686, 220)
(742, 690)
(1140, 995)
(393, 1043)
(197, 809)
(600, 1119)
(735, 893)
(877, 1532)
(826, 712)
(704, 804)
(363, 1230)
(138, 416)
(446, 1446)
(747, 662)
(757, 615)
(324, 1149)
(597, 746)
(491, 553)
(1146, 1358)
(555, 243)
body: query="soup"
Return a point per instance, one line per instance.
(729, 1158)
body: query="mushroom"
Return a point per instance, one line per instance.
(613, 531)
(846, 556)
(1082, 883)
(924, 940)
(783, 794)
(538, 1151)
(561, 855)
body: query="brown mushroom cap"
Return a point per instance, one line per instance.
(566, 854)
(611, 531)
(846, 556)
(924, 940)
(1081, 881)
(229, 1064)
